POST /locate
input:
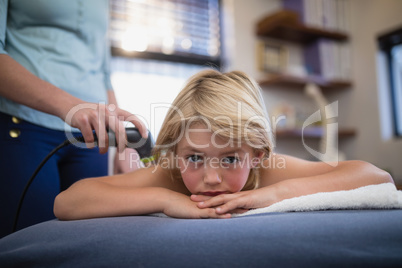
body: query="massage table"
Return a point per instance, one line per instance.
(332, 237)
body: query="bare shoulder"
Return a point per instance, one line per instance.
(279, 167)
(153, 176)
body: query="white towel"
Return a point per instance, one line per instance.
(380, 196)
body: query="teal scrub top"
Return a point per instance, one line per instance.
(64, 42)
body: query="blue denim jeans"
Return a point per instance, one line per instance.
(23, 146)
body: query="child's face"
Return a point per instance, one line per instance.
(210, 165)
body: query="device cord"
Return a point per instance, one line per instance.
(133, 136)
(65, 143)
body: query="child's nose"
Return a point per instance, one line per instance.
(211, 176)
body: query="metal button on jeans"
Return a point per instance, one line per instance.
(15, 133)
(15, 120)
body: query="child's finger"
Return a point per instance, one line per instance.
(199, 198)
(217, 200)
(212, 202)
(238, 211)
(231, 206)
(210, 213)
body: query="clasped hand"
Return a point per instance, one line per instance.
(235, 203)
(221, 206)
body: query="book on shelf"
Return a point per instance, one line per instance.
(332, 15)
(272, 57)
(324, 58)
(328, 59)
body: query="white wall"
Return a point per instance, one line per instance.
(371, 18)
(239, 38)
(240, 44)
(358, 107)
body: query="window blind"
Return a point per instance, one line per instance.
(186, 28)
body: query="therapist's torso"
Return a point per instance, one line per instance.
(63, 42)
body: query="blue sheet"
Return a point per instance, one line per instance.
(349, 238)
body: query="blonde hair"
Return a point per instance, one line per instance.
(232, 105)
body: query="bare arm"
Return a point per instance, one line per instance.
(115, 201)
(296, 178)
(143, 191)
(21, 86)
(301, 177)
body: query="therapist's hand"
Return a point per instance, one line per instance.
(100, 117)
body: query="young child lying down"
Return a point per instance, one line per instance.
(214, 157)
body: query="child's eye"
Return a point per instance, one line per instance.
(194, 158)
(230, 160)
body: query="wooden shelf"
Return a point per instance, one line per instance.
(285, 25)
(311, 132)
(299, 82)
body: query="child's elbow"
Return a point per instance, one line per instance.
(386, 177)
(377, 174)
(60, 209)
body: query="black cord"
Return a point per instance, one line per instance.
(65, 143)
(133, 136)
